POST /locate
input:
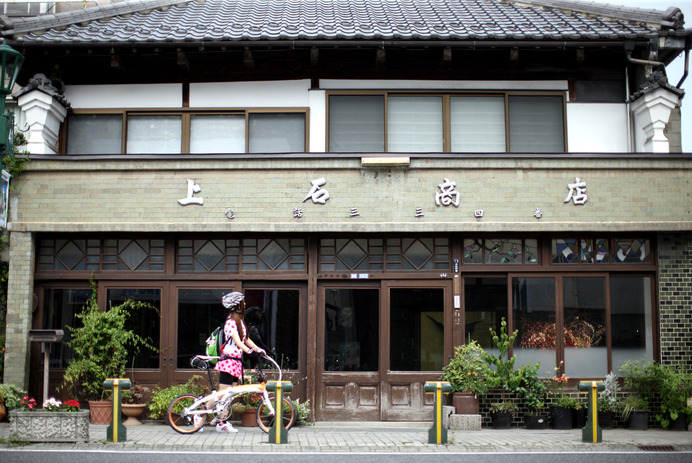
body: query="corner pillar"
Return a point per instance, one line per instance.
(45, 109)
(651, 112)
(20, 301)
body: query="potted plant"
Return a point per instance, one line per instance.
(102, 345)
(502, 413)
(466, 373)
(133, 403)
(640, 381)
(533, 390)
(674, 387)
(562, 404)
(55, 422)
(608, 403)
(10, 397)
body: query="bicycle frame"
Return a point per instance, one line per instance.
(225, 396)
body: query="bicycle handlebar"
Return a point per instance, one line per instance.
(201, 362)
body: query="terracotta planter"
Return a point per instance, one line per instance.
(249, 417)
(466, 403)
(3, 411)
(560, 418)
(132, 412)
(45, 426)
(101, 411)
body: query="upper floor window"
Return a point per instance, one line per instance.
(186, 132)
(500, 122)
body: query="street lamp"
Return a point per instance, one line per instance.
(10, 63)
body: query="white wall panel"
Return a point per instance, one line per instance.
(125, 96)
(597, 128)
(274, 94)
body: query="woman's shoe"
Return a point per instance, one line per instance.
(225, 427)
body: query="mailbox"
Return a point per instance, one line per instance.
(46, 335)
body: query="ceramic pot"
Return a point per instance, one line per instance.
(249, 417)
(560, 418)
(466, 403)
(101, 411)
(132, 412)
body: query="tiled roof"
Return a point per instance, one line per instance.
(176, 21)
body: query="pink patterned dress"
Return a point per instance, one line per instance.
(232, 366)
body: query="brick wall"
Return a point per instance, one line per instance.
(20, 300)
(675, 298)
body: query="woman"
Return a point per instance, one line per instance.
(230, 365)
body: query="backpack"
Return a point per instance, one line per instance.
(215, 343)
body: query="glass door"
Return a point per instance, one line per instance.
(348, 353)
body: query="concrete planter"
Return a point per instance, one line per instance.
(45, 426)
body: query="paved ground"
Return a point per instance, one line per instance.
(376, 437)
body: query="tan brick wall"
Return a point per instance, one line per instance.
(624, 193)
(20, 301)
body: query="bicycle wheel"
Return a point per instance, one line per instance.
(184, 424)
(265, 420)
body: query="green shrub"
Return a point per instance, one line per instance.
(466, 370)
(162, 398)
(11, 395)
(302, 411)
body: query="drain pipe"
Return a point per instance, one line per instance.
(687, 66)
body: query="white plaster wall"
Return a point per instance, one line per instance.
(334, 84)
(274, 94)
(318, 121)
(125, 96)
(597, 128)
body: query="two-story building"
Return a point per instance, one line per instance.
(384, 179)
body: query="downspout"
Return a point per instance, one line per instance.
(687, 63)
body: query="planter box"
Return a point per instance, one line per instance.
(44, 426)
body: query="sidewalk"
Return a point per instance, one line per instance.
(373, 437)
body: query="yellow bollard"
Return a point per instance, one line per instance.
(437, 433)
(116, 432)
(592, 431)
(278, 434)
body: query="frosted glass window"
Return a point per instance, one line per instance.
(95, 134)
(356, 123)
(217, 133)
(536, 124)
(414, 124)
(478, 124)
(277, 133)
(154, 134)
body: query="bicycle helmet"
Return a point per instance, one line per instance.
(232, 300)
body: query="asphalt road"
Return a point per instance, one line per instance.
(126, 456)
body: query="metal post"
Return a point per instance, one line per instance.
(278, 434)
(116, 432)
(592, 432)
(437, 433)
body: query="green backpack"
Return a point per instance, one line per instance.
(215, 343)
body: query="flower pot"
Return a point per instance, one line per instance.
(466, 403)
(45, 426)
(560, 418)
(249, 417)
(536, 421)
(639, 420)
(579, 418)
(606, 419)
(679, 424)
(3, 411)
(501, 419)
(132, 412)
(101, 411)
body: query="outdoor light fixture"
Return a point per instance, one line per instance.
(10, 62)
